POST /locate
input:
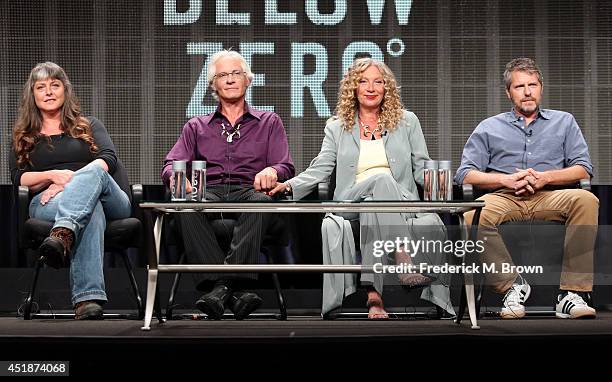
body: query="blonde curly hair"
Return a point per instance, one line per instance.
(391, 108)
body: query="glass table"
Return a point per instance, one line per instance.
(159, 210)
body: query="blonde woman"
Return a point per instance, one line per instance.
(378, 150)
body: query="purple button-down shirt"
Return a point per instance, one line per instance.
(262, 143)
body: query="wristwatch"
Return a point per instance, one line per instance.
(288, 188)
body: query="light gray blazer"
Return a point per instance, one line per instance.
(406, 152)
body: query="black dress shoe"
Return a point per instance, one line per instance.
(213, 302)
(244, 303)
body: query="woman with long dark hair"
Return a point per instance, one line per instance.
(66, 160)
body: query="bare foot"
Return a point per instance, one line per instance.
(376, 309)
(410, 279)
(414, 280)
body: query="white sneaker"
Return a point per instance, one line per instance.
(571, 305)
(514, 299)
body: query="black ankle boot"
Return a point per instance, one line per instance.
(213, 302)
(55, 250)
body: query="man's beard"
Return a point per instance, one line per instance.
(527, 110)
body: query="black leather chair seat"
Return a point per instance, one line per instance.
(123, 233)
(119, 234)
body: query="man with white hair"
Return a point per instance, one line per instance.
(246, 154)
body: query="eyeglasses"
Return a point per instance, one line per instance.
(225, 76)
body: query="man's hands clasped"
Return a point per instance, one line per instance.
(525, 181)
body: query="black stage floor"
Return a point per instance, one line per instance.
(181, 344)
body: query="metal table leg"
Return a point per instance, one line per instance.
(152, 273)
(468, 292)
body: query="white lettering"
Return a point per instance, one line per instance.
(359, 48)
(377, 252)
(489, 268)
(206, 49)
(402, 11)
(248, 50)
(524, 269)
(272, 16)
(312, 11)
(313, 81)
(224, 17)
(172, 17)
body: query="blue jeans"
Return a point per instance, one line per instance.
(87, 201)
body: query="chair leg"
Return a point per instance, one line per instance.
(134, 285)
(279, 296)
(479, 298)
(27, 309)
(439, 312)
(175, 284)
(279, 291)
(157, 306)
(462, 305)
(170, 306)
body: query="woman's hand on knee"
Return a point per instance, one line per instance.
(60, 177)
(50, 192)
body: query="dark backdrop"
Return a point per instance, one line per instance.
(136, 65)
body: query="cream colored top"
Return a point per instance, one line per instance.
(372, 159)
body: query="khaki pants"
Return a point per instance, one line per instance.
(578, 209)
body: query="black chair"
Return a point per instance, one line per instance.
(119, 235)
(325, 191)
(275, 239)
(537, 242)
